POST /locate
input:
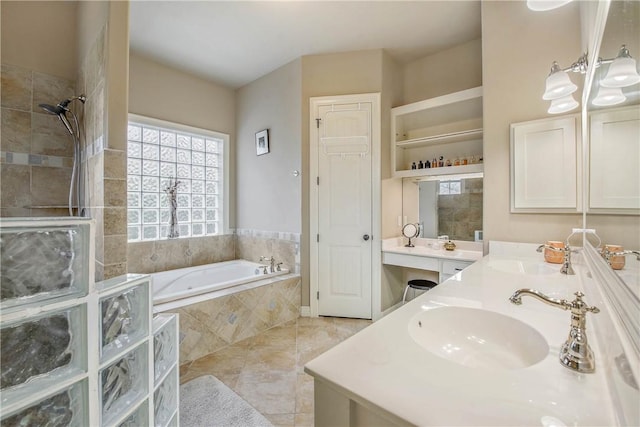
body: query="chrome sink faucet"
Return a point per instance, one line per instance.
(607, 254)
(272, 262)
(575, 353)
(566, 263)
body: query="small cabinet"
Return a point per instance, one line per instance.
(545, 171)
(614, 176)
(449, 126)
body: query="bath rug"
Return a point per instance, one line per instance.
(207, 402)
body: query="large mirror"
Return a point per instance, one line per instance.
(613, 144)
(444, 206)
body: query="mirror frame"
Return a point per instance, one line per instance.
(623, 303)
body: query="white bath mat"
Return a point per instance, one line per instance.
(207, 402)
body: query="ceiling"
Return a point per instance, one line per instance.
(236, 42)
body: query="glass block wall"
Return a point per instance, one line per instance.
(155, 157)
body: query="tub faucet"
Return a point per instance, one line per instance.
(272, 263)
(575, 353)
(566, 263)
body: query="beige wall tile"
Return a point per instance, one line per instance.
(113, 270)
(16, 88)
(140, 257)
(48, 89)
(15, 186)
(15, 131)
(14, 212)
(50, 186)
(49, 136)
(172, 254)
(115, 164)
(115, 249)
(115, 221)
(115, 193)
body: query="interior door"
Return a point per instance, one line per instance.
(344, 141)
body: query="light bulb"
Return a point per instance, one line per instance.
(562, 105)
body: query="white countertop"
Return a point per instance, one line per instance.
(383, 369)
(465, 251)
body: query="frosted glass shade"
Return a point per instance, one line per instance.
(609, 96)
(622, 73)
(558, 85)
(542, 5)
(562, 105)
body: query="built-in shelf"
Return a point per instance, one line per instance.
(448, 126)
(447, 170)
(441, 139)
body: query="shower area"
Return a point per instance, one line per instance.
(64, 116)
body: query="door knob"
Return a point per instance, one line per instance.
(365, 237)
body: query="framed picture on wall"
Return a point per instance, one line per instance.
(262, 142)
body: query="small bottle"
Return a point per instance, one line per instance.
(420, 165)
(413, 165)
(456, 162)
(441, 162)
(434, 163)
(465, 161)
(427, 164)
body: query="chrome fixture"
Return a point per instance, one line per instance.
(279, 266)
(575, 353)
(76, 185)
(566, 262)
(621, 73)
(272, 263)
(607, 254)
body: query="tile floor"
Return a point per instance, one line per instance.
(268, 370)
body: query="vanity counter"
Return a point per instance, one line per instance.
(384, 376)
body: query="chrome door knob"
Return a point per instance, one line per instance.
(365, 237)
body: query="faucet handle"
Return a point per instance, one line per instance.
(580, 306)
(278, 268)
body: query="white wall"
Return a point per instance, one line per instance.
(269, 196)
(518, 46)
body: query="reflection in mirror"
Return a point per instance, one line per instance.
(448, 206)
(613, 175)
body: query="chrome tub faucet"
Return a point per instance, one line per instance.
(575, 353)
(272, 263)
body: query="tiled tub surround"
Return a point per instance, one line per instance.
(36, 150)
(233, 316)
(162, 255)
(284, 247)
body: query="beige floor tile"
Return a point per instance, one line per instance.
(268, 369)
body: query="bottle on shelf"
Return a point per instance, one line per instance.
(413, 165)
(427, 164)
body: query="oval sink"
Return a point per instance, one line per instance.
(478, 338)
(522, 267)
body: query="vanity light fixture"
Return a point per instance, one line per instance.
(609, 96)
(622, 71)
(559, 87)
(542, 5)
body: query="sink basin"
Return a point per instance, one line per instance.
(522, 267)
(478, 338)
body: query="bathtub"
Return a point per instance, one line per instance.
(185, 286)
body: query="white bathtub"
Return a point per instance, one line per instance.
(186, 283)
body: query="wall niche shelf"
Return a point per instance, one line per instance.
(449, 126)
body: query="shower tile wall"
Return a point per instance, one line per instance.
(105, 162)
(36, 151)
(460, 215)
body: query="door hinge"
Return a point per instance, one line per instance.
(318, 123)
(318, 295)
(317, 238)
(317, 180)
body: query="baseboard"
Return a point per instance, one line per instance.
(305, 311)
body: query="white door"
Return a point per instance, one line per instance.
(343, 141)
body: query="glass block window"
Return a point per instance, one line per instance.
(450, 187)
(158, 156)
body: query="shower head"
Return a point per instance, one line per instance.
(61, 109)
